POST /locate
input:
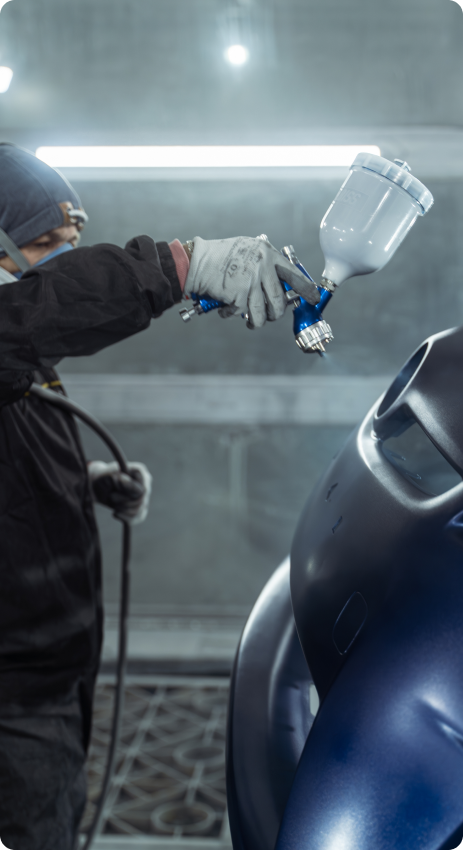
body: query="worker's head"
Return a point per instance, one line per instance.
(39, 210)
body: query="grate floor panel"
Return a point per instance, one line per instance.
(170, 776)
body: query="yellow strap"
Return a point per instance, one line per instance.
(47, 386)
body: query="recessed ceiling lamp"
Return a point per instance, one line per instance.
(237, 54)
(3, 3)
(6, 75)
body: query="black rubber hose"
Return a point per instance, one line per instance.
(71, 407)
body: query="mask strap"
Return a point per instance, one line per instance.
(13, 251)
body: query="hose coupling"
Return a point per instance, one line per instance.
(329, 285)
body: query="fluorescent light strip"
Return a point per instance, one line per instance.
(207, 156)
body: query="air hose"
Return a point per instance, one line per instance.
(71, 407)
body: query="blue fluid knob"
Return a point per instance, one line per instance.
(311, 332)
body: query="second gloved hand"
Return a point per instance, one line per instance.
(245, 274)
(127, 495)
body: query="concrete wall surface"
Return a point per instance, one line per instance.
(120, 66)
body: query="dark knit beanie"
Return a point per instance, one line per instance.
(30, 195)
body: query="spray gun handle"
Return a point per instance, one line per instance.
(311, 331)
(204, 303)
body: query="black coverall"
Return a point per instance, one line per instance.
(50, 600)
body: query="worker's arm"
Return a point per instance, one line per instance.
(79, 303)
(89, 298)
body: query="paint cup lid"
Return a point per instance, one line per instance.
(397, 172)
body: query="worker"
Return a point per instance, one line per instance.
(60, 300)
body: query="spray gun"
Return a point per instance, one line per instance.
(375, 208)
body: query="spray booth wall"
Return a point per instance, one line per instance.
(227, 495)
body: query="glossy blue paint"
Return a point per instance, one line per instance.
(269, 717)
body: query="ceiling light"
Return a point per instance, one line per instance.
(6, 75)
(3, 3)
(207, 156)
(237, 54)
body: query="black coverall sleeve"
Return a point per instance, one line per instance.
(79, 303)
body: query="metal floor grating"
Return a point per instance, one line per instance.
(170, 777)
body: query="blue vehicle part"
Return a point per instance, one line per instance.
(377, 594)
(269, 717)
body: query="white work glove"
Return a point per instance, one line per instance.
(127, 495)
(245, 274)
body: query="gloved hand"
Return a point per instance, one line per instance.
(127, 495)
(245, 273)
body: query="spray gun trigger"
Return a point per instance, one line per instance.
(292, 297)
